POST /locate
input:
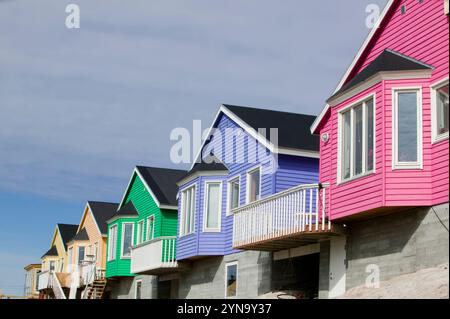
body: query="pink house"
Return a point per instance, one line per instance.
(384, 149)
(380, 208)
(384, 131)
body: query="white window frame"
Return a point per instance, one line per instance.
(351, 107)
(95, 250)
(205, 206)
(231, 263)
(78, 254)
(247, 182)
(182, 231)
(147, 233)
(140, 232)
(123, 237)
(70, 258)
(396, 164)
(135, 288)
(112, 243)
(434, 113)
(230, 181)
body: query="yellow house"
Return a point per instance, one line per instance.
(86, 251)
(54, 261)
(32, 272)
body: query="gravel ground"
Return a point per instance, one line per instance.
(430, 283)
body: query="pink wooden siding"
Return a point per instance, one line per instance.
(422, 33)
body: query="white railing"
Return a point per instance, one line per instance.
(44, 280)
(295, 210)
(156, 254)
(56, 286)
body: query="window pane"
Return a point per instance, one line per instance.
(127, 239)
(138, 289)
(192, 212)
(407, 126)
(150, 227)
(187, 214)
(52, 265)
(231, 280)
(212, 209)
(346, 141)
(358, 140)
(442, 109)
(254, 180)
(370, 135)
(80, 254)
(234, 197)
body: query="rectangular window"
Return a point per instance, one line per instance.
(140, 233)
(52, 265)
(187, 211)
(81, 252)
(233, 194)
(213, 196)
(231, 280)
(95, 250)
(407, 129)
(253, 185)
(439, 111)
(357, 127)
(127, 239)
(150, 227)
(138, 290)
(112, 242)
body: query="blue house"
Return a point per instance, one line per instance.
(249, 155)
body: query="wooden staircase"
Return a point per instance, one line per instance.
(96, 289)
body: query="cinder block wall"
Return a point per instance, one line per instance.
(398, 243)
(124, 288)
(206, 278)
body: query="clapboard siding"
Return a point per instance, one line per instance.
(240, 155)
(421, 33)
(119, 267)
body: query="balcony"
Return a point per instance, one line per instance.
(155, 257)
(44, 280)
(288, 219)
(89, 272)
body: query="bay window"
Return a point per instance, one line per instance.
(187, 211)
(150, 227)
(233, 194)
(357, 129)
(253, 185)
(439, 110)
(213, 196)
(112, 242)
(407, 129)
(127, 239)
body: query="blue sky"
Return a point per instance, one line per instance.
(79, 108)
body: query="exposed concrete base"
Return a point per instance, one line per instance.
(125, 287)
(397, 244)
(206, 278)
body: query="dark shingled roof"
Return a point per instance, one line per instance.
(209, 163)
(67, 232)
(102, 212)
(51, 252)
(127, 210)
(162, 182)
(388, 60)
(81, 235)
(293, 128)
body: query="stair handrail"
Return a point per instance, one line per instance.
(59, 292)
(90, 279)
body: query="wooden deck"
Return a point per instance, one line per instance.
(294, 239)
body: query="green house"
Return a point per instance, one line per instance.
(142, 235)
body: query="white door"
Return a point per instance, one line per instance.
(337, 267)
